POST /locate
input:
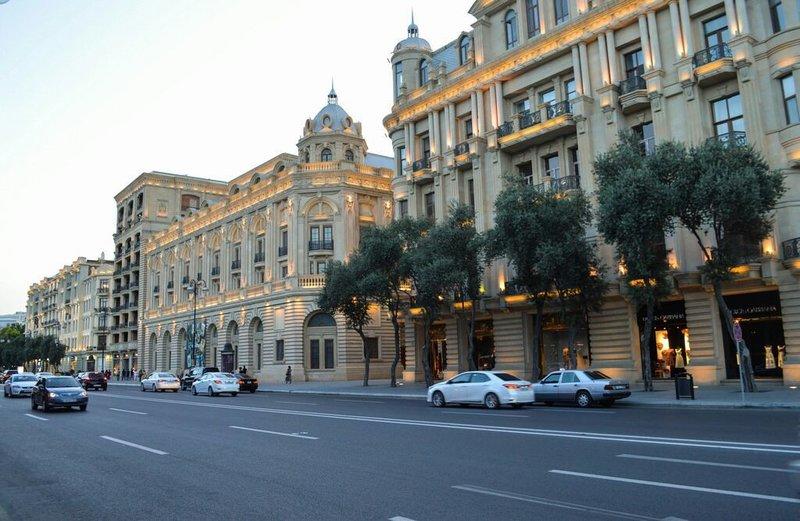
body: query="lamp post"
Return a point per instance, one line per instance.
(194, 286)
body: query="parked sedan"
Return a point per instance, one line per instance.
(161, 382)
(213, 384)
(19, 384)
(190, 375)
(246, 382)
(44, 374)
(582, 388)
(58, 391)
(492, 389)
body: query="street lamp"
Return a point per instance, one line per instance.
(194, 286)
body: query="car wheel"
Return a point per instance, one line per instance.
(33, 404)
(82, 408)
(142, 387)
(211, 391)
(194, 391)
(438, 399)
(234, 394)
(583, 399)
(491, 401)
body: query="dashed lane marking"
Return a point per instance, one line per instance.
(290, 435)
(36, 417)
(126, 410)
(135, 445)
(706, 463)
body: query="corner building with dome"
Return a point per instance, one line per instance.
(261, 253)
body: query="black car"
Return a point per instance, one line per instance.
(59, 391)
(94, 381)
(190, 375)
(246, 382)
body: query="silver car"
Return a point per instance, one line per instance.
(583, 388)
(19, 385)
(492, 389)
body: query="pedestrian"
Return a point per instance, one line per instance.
(288, 375)
(244, 369)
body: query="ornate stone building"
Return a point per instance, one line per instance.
(537, 88)
(73, 305)
(256, 260)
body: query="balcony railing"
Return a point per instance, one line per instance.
(711, 54)
(185, 279)
(735, 138)
(199, 275)
(236, 264)
(156, 289)
(529, 119)
(215, 271)
(560, 184)
(170, 284)
(505, 129)
(461, 148)
(320, 245)
(631, 84)
(282, 251)
(258, 257)
(791, 248)
(557, 109)
(421, 164)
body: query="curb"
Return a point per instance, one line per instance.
(350, 394)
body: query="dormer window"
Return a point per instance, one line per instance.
(348, 155)
(326, 155)
(423, 72)
(463, 50)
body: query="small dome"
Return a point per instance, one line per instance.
(332, 117)
(413, 41)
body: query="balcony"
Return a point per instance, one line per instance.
(134, 285)
(633, 94)
(731, 139)
(421, 164)
(185, 279)
(215, 271)
(282, 251)
(156, 289)
(236, 264)
(320, 245)
(258, 257)
(791, 249)
(170, 284)
(461, 149)
(559, 184)
(713, 64)
(199, 275)
(311, 281)
(102, 290)
(530, 128)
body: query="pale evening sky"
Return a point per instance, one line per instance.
(94, 92)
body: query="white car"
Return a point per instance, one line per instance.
(161, 382)
(213, 384)
(19, 385)
(492, 389)
(43, 374)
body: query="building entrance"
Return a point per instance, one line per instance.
(759, 315)
(670, 351)
(484, 345)
(437, 355)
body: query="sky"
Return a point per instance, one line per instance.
(95, 92)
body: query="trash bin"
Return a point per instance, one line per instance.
(684, 386)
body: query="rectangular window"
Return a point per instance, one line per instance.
(279, 350)
(634, 63)
(522, 106)
(728, 118)
(237, 251)
(776, 15)
(258, 355)
(715, 31)
(371, 346)
(430, 206)
(236, 281)
(402, 206)
(647, 138)
(534, 17)
(526, 171)
(562, 11)
(398, 78)
(569, 89)
(284, 239)
(327, 233)
(328, 353)
(547, 97)
(426, 147)
(551, 166)
(216, 259)
(284, 271)
(260, 275)
(314, 234)
(789, 100)
(467, 128)
(260, 244)
(313, 353)
(575, 160)
(401, 160)
(471, 193)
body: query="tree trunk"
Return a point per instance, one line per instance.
(572, 332)
(745, 365)
(473, 362)
(366, 357)
(647, 374)
(396, 326)
(537, 342)
(426, 349)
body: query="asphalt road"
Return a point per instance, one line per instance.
(141, 455)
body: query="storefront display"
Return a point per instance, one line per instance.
(484, 345)
(670, 351)
(555, 345)
(759, 316)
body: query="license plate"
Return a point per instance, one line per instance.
(619, 387)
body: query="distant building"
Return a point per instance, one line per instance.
(12, 318)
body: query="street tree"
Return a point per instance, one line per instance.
(634, 213)
(726, 194)
(345, 293)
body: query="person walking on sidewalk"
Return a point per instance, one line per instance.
(288, 375)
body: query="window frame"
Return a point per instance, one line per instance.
(424, 74)
(463, 50)
(326, 152)
(564, 15)
(791, 111)
(511, 29)
(533, 12)
(729, 121)
(722, 33)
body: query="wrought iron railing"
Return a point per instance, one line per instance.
(791, 248)
(259, 256)
(558, 109)
(421, 164)
(711, 54)
(320, 245)
(461, 148)
(282, 251)
(631, 84)
(236, 264)
(529, 119)
(736, 138)
(505, 129)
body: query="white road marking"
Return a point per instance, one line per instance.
(400, 518)
(296, 403)
(486, 415)
(135, 445)
(551, 502)
(292, 435)
(707, 463)
(359, 401)
(679, 487)
(580, 411)
(36, 417)
(588, 436)
(126, 410)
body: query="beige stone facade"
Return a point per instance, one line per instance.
(73, 306)
(538, 89)
(258, 257)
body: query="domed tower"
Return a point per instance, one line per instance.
(411, 62)
(332, 135)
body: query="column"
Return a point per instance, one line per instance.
(498, 90)
(584, 56)
(492, 106)
(451, 117)
(648, 55)
(437, 132)
(677, 34)
(478, 118)
(601, 44)
(688, 40)
(744, 21)
(411, 146)
(730, 14)
(576, 70)
(654, 46)
(407, 139)
(473, 107)
(522, 20)
(611, 48)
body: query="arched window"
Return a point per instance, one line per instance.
(307, 157)
(321, 320)
(463, 50)
(348, 155)
(326, 155)
(423, 72)
(512, 34)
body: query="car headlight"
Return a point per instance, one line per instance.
(52, 395)
(84, 394)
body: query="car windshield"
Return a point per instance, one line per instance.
(94, 375)
(507, 377)
(597, 375)
(23, 378)
(62, 381)
(168, 376)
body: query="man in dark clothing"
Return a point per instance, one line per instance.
(289, 375)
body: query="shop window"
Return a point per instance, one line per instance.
(758, 315)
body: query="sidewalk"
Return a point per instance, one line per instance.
(718, 396)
